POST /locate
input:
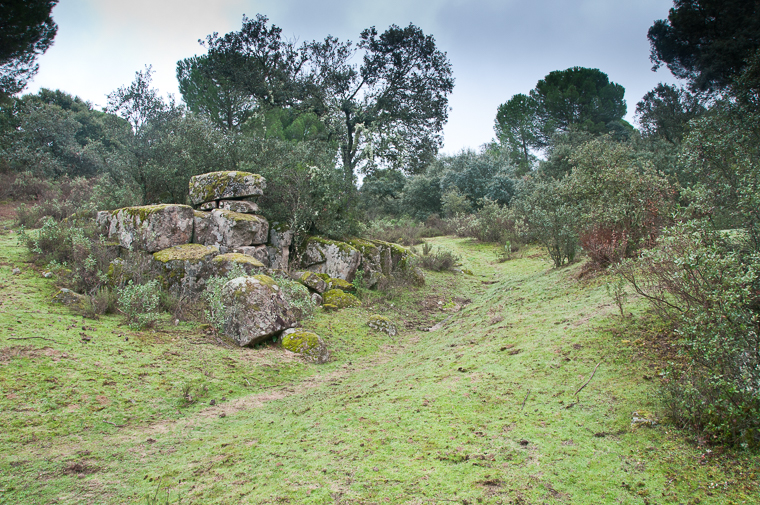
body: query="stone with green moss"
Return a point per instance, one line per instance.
(643, 418)
(149, 228)
(311, 281)
(185, 267)
(278, 248)
(332, 257)
(73, 300)
(224, 263)
(229, 229)
(306, 343)
(346, 286)
(382, 323)
(225, 185)
(340, 299)
(255, 309)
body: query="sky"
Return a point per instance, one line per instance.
(497, 48)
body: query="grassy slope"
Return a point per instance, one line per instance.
(481, 410)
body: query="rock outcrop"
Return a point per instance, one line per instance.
(331, 257)
(150, 227)
(228, 230)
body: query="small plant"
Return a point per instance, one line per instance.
(139, 302)
(158, 497)
(440, 261)
(616, 290)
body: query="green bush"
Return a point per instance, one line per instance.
(139, 302)
(545, 212)
(710, 292)
(438, 259)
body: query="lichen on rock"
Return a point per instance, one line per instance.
(225, 185)
(340, 299)
(382, 323)
(306, 343)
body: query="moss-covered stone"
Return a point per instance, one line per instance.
(382, 323)
(334, 283)
(225, 185)
(186, 252)
(242, 259)
(340, 299)
(312, 281)
(149, 228)
(306, 343)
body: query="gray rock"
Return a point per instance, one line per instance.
(280, 239)
(316, 298)
(311, 281)
(225, 185)
(382, 323)
(150, 228)
(208, 206)
(340, 259)
(260, 252)
(16, 271)
(69, 298)
(255, 309)
(229, 229)
(185, 266)
(224, 263)
(241, 206)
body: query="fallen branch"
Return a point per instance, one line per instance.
(29, 338)
(525, 400)
(114, 424)
(589, 379)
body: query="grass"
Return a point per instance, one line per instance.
(481, 410)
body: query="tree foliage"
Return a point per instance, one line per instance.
(517, 127)
(665, 112)
(26, 31)
(707, 42)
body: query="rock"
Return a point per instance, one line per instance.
(382, 323)
(346, 286)
(184, 266)
(208, 206)
(311, 281)
(316, 299)
(338, 259)
(47, 275)
(69, 298)
(280, 238)
(150, 228)
(340, 299)
(257, 251)
(225, 185)
(224, 263)
(241, 206)
(255, 309)
(16, 271)
(643, 418)
(306, 343)
(229, 230)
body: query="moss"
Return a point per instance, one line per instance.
(267, 281)
(301, 342)
(200, 214)
(340, 299)
(334, 283)
(238, 258)
(141, 213)
(214, 183)
(364, 246)
(342, 246)
(185, 252)
(382, 323)
(324, 277)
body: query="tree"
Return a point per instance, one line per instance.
(580, 97)
(26, 31)
(517, 128)
(707, 42)
(211, 94)
(387, 111)
(665, 112)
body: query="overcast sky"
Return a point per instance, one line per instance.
(497, 48)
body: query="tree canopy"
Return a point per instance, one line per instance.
(517, 126)
(707, 42)
(387, 111)
(26, 31)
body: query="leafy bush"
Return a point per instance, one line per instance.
(548, 214)
(139, 302)
(298, 297)
(710, 292)
(438, 259)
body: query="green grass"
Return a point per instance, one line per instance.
(481, 410)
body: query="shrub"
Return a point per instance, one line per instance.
(297, 295)
(438, 260)
(544, 211)
(710, 292)
(139, 302)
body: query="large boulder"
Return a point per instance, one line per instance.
(306, 343)
(280, 238)
(229, 230)
(150, 227)
(225, 185)
(185, 266)
(255, 309)
(311, 281)
(338, 299)
(331, 257)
